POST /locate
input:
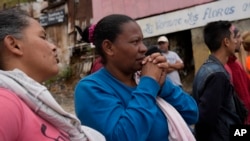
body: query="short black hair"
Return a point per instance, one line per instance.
(215, 32)
(153, 49)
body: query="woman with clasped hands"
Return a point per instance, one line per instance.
(28, 111)
(112, 102)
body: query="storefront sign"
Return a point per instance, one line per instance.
(52, 18)
(195, 17)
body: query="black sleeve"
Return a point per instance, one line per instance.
(211, 100)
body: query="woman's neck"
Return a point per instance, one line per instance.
(126, 78)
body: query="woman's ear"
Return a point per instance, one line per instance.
(107, 47)
(12, 45)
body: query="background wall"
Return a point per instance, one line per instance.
(200, 50)
(139, 8)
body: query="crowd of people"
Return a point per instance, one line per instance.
(135, 93)
(213, 89)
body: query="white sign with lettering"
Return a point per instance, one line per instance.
(195, 17)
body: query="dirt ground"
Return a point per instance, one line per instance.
(64, 91)
(64, 94)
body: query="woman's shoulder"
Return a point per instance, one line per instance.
(101, 78)
(10, 108)
(9, 100)
(7, 95)
(15, 105)
(100, 75)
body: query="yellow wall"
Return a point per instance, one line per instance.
(200, 50)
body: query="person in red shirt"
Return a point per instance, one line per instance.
(238, 76)
(96, 65)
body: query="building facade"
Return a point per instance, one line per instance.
(181, 21)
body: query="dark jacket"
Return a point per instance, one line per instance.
(214, 95)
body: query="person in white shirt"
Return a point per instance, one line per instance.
(174, 61)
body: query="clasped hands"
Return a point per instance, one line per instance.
(155, 66)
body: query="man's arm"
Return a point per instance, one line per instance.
(178, 65)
